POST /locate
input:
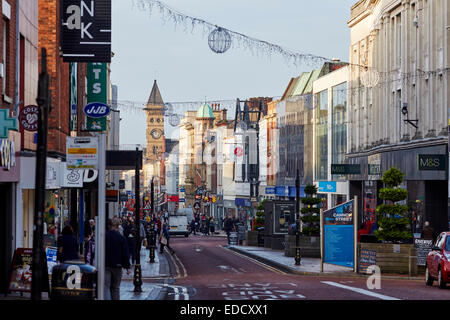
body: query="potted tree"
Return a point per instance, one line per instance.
(310, 226)
(395, 253)
(258, 221)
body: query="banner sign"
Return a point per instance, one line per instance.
(339, 235)
(327, 186)
(97, 92)
(86, 30)
(71, 178)
(51, 253)
(20, 279)
(82, 153)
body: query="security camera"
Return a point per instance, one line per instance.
(405, 109)
(416, 22)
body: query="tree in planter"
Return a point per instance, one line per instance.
(260, 216)
(392, 218)
(311, 213)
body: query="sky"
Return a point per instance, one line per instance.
(147, 47)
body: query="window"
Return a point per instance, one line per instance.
(339, 125)
(322, 136)
(447, 244)
(6, 61)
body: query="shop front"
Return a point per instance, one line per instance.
(9, 179)
(425, 179)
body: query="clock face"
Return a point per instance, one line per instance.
(155, 134)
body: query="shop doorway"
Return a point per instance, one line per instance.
(5, 235)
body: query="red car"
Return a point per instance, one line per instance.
(438, 262)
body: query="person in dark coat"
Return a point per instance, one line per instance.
(428, 231)
(116, 259)
(130, 234)
(228, 226)
(67, 245)
(193, 227)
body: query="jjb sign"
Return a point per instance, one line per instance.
(96, 110)
(86, 30)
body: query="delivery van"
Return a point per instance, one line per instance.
(178, 224)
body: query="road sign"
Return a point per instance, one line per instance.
(82, 153)
(197, 205)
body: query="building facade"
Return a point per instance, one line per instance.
(398, 102)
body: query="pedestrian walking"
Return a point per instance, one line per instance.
(212, 226)
(89, 250)
(207, 225)
(67, 245)
(130, 234)
(164, 239)
(116, 259)
(228, 227)
(193, 227)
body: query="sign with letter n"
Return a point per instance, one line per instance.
(86, 30)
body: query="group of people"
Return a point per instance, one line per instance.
(205, 225)
(120, 246)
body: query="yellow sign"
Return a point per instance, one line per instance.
(82, 151)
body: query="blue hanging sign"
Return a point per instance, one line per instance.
(96, 110)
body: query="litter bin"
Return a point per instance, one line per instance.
(73, 280)
(261, 237)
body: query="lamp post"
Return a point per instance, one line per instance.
(152, 239)
(297, 225)
(137, 268)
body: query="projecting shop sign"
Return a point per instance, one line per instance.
(82, 153)
(86, 30)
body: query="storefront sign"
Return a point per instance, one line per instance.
(327, 186)
(97, 81)
(82, 153)
(270, 190)
(345, 169)
(28, 118)
(86, 30)
(7, 123)
(339, 235)
(112, 196)
(434, 162)
(242, 202)
(71, 178)
(7, 154)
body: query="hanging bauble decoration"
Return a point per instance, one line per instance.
(219, 40)
(168, 108)
(174, 120)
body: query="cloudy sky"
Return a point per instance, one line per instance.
(148, 47)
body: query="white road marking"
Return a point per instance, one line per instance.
(361, 291)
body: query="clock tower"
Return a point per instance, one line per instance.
(155, 126)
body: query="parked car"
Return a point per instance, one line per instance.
(438, 262)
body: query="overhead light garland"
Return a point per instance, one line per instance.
(221, 39)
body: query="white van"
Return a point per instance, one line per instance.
(178, 224)
(188, 212)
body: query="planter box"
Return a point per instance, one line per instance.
(251, 238)
(309, 246)
(393, 258)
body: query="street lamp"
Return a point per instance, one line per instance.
(137, 268)
(297, 225)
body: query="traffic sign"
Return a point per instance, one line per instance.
(196, 205)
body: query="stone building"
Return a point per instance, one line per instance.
(398, 101)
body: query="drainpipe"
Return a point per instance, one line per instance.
(17, 80)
